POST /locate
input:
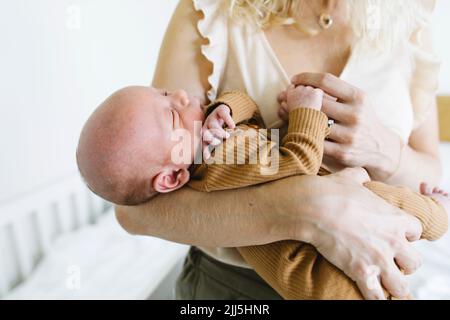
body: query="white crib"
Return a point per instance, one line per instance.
(38, 231)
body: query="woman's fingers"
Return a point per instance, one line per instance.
(414, 228)
(328, 83)
(283, 94)
(339, 152)
(371, 288)
(331, 149)
(408, 260)
(337, 111)
(326, 96)
(395, 282)
(358, 175)
(340, 133)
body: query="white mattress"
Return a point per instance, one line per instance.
(432, 281)
(111, 264)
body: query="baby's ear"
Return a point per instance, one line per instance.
(170, 180)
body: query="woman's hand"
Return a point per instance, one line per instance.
(361, 234)
(357, 139)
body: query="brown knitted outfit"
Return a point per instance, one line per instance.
(295, 269)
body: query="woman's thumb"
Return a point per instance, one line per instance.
(359, 175)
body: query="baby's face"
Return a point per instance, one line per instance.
(125, 149)
(174, 113)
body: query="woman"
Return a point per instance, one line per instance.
(378, 66)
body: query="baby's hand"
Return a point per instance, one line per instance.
(300, 97)
(213, 132)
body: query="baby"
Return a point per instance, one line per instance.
(128, 147)
(124, 152)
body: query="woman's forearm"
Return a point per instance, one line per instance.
(249, 216)
(409, 165)
(401, 165)
(416, 167)
(299, 208)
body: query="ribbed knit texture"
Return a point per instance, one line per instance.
(242, 106)
(295, 269)
(431, 214)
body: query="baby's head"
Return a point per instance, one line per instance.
(124, 152)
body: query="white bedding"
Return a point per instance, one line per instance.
(111, 264)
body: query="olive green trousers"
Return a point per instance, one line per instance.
(205, 278)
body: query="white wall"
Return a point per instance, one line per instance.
(441, 29)
(54, 72)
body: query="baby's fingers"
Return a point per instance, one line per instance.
(220, 134)
(224, 113)
(281, 96)
(207, 152)
(283, 112)
(215, 136)
(210, 139)
(207, 136)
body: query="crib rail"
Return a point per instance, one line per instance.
(31, 224)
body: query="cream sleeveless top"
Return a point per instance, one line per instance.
(401, 84)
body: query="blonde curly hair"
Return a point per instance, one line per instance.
(377, 22)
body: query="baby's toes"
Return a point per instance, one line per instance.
(425, 189)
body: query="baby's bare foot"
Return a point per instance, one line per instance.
(437, 194)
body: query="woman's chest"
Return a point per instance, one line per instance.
(255, 67)
(327, 52)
